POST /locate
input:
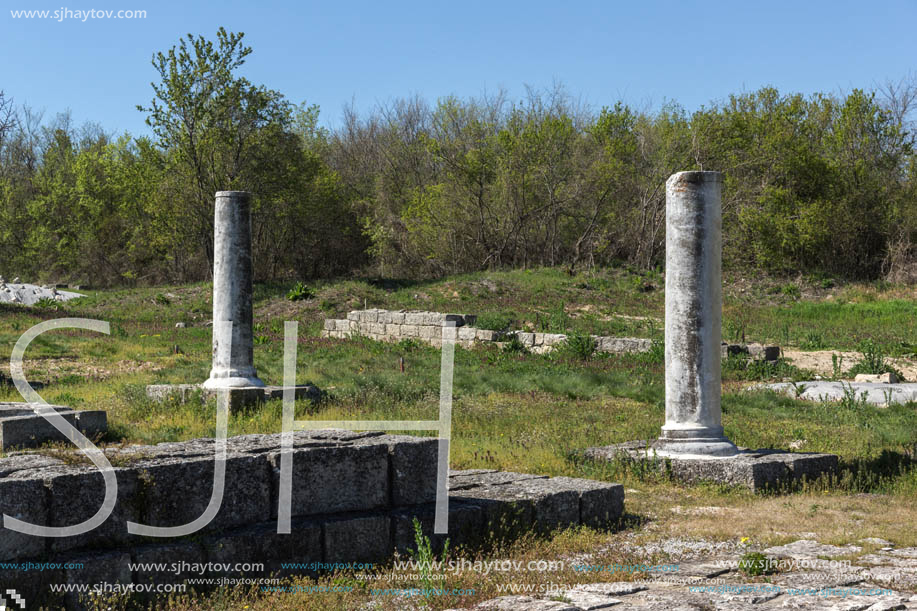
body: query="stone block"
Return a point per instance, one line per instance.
(434, 319)
(177, 491)
(413, 462)
(467, 334)
(393, 330)
(342, 325)
(76, 494)
(754, 469)
(261, 543)
(554, 339)
(465, 526)
(92, 423)
(109, 568)
(879, 378)
(359, 539)
(24, 499)
(31, 430)
(527, 339)
(304, 392)
(415, 318)
(601, 503)
(176, 557)
(409, 330)
(353, 316)
(331, 324)
(764, 353)
(485, 335)
(335, 478)
(428, 332)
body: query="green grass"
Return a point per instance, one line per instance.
(512, 410)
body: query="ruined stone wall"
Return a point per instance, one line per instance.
(394, 326)
(354, 499)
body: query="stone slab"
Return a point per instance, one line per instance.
(22, 427)
(874, 393)
(754, 469)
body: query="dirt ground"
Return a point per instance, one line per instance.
(820, 362)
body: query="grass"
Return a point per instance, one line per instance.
(514, 410)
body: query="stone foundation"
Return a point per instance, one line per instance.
(354, 499)
(427, 327)
(757, 470)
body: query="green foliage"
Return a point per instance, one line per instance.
(300, 292)
(497, 321)
(755, 564)
(873, 360)
(578, 345)
(423, 555)
(514, 345)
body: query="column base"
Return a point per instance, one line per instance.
(236, 381)
(707, 442)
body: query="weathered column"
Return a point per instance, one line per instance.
(693, 313)
(232, 292)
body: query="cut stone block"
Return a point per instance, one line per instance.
(363, 539)
(332, 479)
(22, 427)
(873, 393)
(77, 494)
(466, 525)
(26, 500)
(177, 491)
(182, 554)
(753, 469)
(262, 543)
(413, 468)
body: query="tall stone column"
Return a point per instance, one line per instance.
(693, 314)
(233, 365)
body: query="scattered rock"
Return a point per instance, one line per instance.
(880, 378)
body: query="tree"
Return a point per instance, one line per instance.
(210, 120)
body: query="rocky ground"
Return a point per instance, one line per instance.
(30, 294)
(810, 575)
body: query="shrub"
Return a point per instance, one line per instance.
(514, 345)
(580, 345)
(873, 361)
(496, 321)
(300, 292)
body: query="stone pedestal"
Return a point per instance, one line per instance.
(232, 293)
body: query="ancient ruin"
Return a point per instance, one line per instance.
(692, 444)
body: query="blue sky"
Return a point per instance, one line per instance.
(329, 53)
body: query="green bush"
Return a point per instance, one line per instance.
(873, 361)
(514, 345)
(579, 345)
(300, 292)
(496, 321)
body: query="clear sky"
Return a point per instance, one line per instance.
(329, 53)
